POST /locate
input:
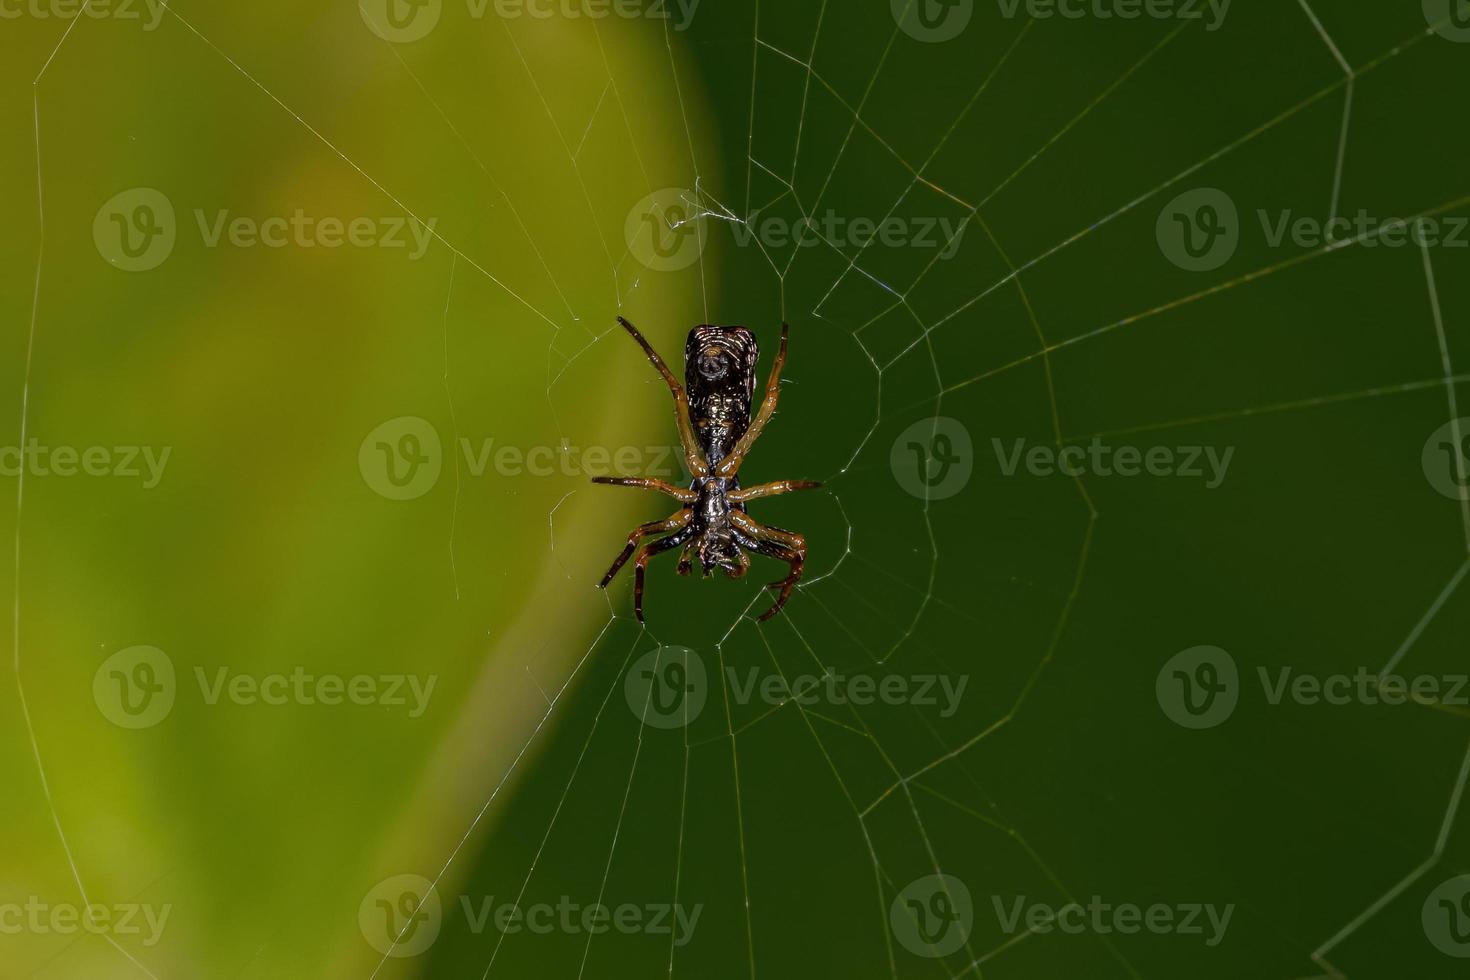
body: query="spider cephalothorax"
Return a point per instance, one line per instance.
(716, 431)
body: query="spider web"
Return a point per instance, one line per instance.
(895, 579)
(905, 783)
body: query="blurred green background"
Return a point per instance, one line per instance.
(378, 458)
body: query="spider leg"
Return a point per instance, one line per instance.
(775, 542)
(686, 560)
(693, 458)
(770, 490)
(677, 522)
(641, 562)
(731, 463)
(678, 493)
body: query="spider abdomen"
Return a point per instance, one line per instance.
(719, 372)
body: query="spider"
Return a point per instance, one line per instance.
(716, 432)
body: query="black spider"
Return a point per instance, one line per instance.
(716, 432)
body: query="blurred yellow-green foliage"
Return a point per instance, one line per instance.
(260, 369)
